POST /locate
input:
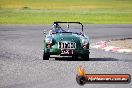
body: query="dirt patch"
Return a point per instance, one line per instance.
(122, 43)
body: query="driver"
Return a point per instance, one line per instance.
(56, 28)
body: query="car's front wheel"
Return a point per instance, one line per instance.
(46, 56)
(85, 57)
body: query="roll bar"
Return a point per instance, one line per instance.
(56, 22)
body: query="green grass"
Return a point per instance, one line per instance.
(47, 11)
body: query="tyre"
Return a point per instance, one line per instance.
(46, 56)
(85, 57)
(74, 58)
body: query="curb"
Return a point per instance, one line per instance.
(103, 45)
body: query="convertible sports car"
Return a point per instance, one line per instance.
(66, 41)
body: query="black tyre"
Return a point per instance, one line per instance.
(74, 58)
(85, 57)
(46, 56)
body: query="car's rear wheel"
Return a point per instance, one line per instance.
(46, 56)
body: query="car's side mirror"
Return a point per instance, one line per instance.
(44, 32)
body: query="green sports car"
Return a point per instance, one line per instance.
(66, 39)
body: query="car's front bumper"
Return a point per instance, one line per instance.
(56, 51)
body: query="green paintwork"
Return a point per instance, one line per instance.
(66, 37)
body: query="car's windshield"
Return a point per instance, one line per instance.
(65, 27)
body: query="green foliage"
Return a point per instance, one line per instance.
(47, 11)
(66, 4)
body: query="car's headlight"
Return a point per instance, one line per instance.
(48, 40)
(85, 43)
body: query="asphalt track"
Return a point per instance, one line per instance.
(21, 64)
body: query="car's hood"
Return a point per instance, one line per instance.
(66, 37)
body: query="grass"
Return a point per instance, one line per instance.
(47, 11)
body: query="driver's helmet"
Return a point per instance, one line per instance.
(57, 28)
(56, 25)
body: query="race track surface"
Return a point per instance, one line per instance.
(21, 64)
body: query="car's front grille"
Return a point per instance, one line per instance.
(67, 45)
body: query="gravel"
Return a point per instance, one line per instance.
(122, 43)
